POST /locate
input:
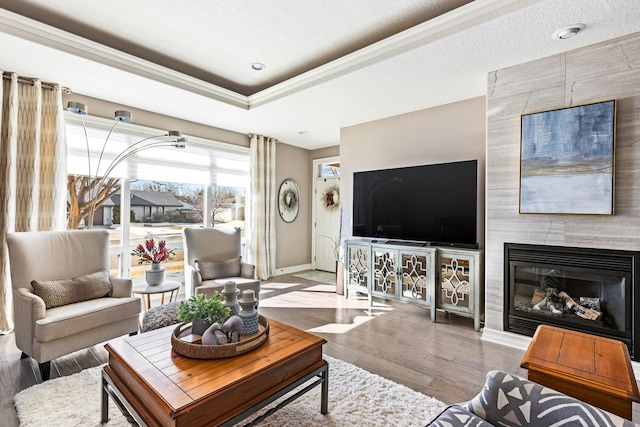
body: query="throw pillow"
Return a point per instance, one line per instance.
(210, 270)
(508, 400)
(455, 416)
(55, 293)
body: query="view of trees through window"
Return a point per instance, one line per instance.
(81, 191)
(157, 210)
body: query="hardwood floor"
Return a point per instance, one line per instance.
(446, 360)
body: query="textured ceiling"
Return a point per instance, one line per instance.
(330, 64)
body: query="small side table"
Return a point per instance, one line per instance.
(590, 368)
(146, 291)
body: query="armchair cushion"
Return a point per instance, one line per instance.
(72, 319)
(219, 269)
(56, 293)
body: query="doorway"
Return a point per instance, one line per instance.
(327, 215)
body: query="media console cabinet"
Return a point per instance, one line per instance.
(441, 278)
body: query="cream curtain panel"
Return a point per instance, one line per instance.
(32, 169)
(262, 230)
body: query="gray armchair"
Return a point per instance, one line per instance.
(63, 297)
(212, 256)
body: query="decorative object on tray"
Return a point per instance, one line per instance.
(230, 293)
(203, 312)
(249, 314)
(216, 334)
(233, 325)
(182, 342)
(208, 338)
(155, 253)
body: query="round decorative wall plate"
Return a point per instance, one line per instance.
(288, 200)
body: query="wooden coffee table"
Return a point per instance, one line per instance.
(593, 369)
(157, 387)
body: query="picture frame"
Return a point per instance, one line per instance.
(567, 160)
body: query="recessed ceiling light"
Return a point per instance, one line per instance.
(258, 66)
(568, 32)
(303, 132)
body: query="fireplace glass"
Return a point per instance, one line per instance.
(590, 290)
(593, 300)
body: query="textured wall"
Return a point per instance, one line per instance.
(447, 133)
(293, 239)
(609, 70)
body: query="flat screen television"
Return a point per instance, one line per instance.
(431, 204)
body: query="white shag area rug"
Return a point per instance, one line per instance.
(356, 398)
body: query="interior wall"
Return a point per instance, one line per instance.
(293, 239)
(447, 133)
(322, 153)
(102, 108)
(609, 70)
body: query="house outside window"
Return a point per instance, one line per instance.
(162, 189)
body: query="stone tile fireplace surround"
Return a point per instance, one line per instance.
(603, 71)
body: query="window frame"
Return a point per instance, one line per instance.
(228, 152)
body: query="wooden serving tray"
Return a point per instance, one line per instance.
(199, 351)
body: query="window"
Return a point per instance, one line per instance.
(159, 210)
(163, 188)
(329, 170)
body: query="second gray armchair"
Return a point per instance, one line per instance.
(212, 257)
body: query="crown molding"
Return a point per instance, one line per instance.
(464, 17)
(37, 32)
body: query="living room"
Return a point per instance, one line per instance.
(486, 128)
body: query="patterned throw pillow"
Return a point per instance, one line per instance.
(55, 293)
(508, 400)
(210, 270)
(455, 416)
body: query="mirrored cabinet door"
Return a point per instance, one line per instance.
(460, 288)
(416, 272)
(385, 273)
(357, 268)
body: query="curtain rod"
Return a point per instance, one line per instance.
(30, 80)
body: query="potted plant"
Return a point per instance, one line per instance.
(155, 253)
(203, 312)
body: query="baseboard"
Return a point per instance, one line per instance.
(521, 342)
(293, 269)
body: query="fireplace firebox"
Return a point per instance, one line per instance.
(583, 289)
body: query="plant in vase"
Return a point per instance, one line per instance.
(203, 312)
(155, 253)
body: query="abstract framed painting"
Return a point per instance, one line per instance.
(567, 160)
